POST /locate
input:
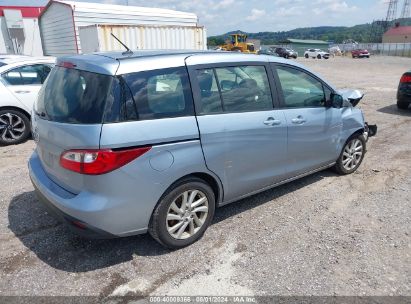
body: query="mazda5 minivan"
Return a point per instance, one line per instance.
(156, 141)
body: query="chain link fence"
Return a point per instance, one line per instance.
(386, 49)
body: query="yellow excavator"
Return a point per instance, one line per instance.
(238, 43)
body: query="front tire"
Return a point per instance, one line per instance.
(183, 214)
(318, 56)
(351, 155)
(306, 56)
(14, 127)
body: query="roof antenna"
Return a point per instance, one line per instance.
(128, 51)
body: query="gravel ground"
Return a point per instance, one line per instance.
(321, 235)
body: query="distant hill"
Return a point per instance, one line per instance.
(359, 33)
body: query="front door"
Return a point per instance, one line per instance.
(243, 137)
(314, 130)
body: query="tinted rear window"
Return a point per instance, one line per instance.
(162, 93)
(74, 96)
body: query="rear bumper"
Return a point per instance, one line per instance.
(404, 95)
(88, 214)
(77, 226)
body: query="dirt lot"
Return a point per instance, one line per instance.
(321, 235)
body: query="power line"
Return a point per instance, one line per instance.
(405, 13)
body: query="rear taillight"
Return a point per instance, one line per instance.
(405, 78)
(96, 162)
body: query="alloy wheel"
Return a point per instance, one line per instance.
(187, 214)
(12, 127)
(352, 154)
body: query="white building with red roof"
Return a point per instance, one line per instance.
(397, 34)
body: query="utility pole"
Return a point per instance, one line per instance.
(405, 13)
(379, 27)
(392, 11)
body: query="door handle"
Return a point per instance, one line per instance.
(22, 92)
(298, 120)
(271, 121)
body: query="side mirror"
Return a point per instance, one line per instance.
(336, 101)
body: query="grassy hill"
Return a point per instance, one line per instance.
(338, 34)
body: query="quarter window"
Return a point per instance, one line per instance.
(300, 89)
(27, 75)
(234, 89)
(157, 94)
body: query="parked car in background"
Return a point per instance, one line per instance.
(404, 91)
(316, 53)
(268, 51)
(335, 51)
(286, 52)
(20, 80)
(359, 53)
(117, 154)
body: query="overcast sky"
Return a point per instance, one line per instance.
(220, 16)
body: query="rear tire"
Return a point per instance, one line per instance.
(402, 105)
(351, 155)
(14, 127)
(306, 56)
(175, 223)
(318, 56)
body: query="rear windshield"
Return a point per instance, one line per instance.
(74, 96)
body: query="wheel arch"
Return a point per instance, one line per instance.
(350, 134)
(16, 109)
(213, 181)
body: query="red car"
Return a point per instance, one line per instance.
(360, 53)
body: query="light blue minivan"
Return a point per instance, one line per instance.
(156, 140)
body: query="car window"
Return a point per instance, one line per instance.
(74, 96)
(300, 89)
(27, 75)
(157, 94)
(209, 93)
(234, 89)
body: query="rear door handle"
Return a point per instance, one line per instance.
(22, 92)
(298, 120)
(271, 121)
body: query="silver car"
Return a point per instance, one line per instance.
(155, 141)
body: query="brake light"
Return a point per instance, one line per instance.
(405, 78)
(95, 162)
(67, 64)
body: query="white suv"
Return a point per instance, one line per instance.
(316, 53)
(21, 78)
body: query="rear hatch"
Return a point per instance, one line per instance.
(69, 113)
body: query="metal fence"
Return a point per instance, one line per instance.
(387, 49)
